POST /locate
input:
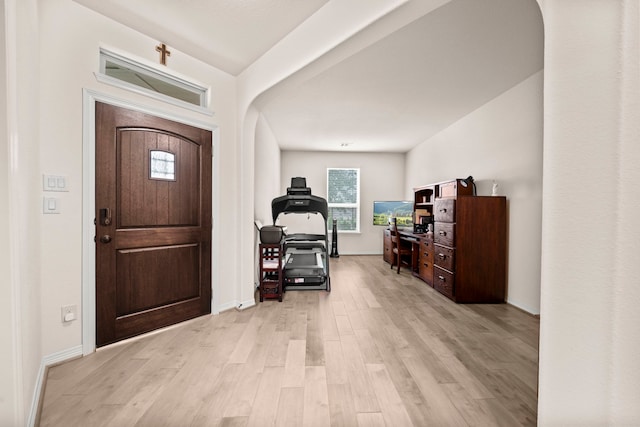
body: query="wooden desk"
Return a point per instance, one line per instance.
(421, 252)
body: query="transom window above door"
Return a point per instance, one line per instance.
(118, 70)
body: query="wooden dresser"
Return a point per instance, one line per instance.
(470, 245)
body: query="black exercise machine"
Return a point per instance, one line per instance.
(306, 262)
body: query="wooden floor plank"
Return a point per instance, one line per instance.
(341, 408)
(371, 419)
(334, 363)
(392, 407)
(278, 351)
(364, 398)
(211, 411)
(316, 398)
(327, 317)
(381, 349)
(166, 410)
(290, 407)
(265, 405)
(295, 364)
(441, 410)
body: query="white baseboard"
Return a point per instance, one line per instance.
(50, 360)
(239, 305)
(246, 304)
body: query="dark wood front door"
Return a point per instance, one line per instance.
(153, 223)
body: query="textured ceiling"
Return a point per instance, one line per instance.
(228, 34)
(388, 95)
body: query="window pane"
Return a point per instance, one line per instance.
(342, 186)
(149, 80)
(162, 165)
(347, 218)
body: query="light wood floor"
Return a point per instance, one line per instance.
(380, 349)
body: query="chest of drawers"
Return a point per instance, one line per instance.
(470, 248)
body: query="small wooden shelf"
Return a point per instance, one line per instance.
(270, 276)
(423, 199)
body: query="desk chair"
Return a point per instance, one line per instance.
(399, 250)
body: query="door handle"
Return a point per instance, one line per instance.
(105, 216)
(105, 239)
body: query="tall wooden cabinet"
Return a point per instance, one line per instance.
(470, 247)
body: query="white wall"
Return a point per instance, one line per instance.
(381, 178)
(8, 331)
(500, 141)
(71, 55)
(23, 203)
(266, 179)
(55, 53)
(589, 340)
(267, 171)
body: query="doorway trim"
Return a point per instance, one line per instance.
(89, 98)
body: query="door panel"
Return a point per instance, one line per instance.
(148, 201)
(152, 277)
(153, 255)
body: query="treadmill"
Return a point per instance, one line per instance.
(306, 265)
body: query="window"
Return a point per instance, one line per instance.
(124, 72)
(343, 198)
(162, 165)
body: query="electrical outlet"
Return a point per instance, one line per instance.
(69, 313)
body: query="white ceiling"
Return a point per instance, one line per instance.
(228, 34)
(389, 96)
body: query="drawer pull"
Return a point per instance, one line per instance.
(443, 256)
(442, 233)
(442, 278)
(443, 210)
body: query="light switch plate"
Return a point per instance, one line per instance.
(54, 183)
(50, 205)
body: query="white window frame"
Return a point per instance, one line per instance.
(201, 91)
(355, 205)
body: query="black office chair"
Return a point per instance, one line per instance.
(399, 250)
